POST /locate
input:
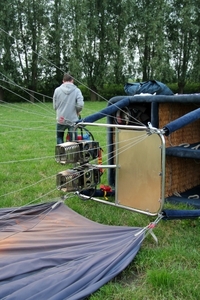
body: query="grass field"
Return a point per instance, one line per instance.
(167, 270)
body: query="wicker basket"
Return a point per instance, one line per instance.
(181, 173)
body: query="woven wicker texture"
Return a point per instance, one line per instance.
(181, 173)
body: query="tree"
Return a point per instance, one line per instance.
(94, 55)
(194, 72)
(181, 36)
(119, 20)
(8, 62)
(28, 29)
(148, 30)
(78, 25)
(99, 42)
(59, 38)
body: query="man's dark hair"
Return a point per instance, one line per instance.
(67, 77)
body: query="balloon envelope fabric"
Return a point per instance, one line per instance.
(48, 251)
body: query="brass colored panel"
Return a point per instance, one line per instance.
(138, 175)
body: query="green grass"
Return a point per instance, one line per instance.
(167, 270)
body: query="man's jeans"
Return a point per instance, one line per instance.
(61, 130)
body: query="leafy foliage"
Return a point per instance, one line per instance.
(99, 42)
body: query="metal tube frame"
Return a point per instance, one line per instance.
(149, 130)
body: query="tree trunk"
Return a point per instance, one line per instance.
(181, 86)
(1, 94)
(93, 94)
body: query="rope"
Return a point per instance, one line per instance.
(130, 142)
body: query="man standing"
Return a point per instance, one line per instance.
(68, 102)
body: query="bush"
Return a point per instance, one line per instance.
(85, 91)
(105, 93)
(190, 88)
(112, 90)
